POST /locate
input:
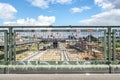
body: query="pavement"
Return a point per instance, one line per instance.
(59, 76)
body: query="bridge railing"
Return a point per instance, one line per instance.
(76, 45)
(73, 44)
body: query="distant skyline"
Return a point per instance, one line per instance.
(59, 12)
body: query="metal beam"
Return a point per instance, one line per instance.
(62, 26)
(56, 66)
(62, 30)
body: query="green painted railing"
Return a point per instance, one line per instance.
(109, 48)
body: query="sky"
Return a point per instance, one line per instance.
(59, 12)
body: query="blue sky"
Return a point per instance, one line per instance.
(59, 12)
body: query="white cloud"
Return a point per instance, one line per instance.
(40, 3)
(45, 3)
(76, 9)
(108, 4)
(42, 20)
(63, 1)
(111, 17)
(7, 11)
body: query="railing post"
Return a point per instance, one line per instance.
(14, 46)
(109, 45)
(114, 46)
(10, 44)
(105, 46)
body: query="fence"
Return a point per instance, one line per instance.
(61, 48)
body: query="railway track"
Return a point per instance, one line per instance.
(22, 42)
(64, 54)
(34, 56)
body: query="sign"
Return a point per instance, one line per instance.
(89, 30)
(78, 30)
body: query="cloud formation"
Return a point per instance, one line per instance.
(62, 1)
(109, 16)
(45, 3)
(79, 10)
(7, 11)
(108, 4)
(41, 20)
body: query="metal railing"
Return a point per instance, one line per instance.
(40, 55)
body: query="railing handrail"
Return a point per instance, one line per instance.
(64, 26)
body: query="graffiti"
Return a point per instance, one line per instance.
(52, 63)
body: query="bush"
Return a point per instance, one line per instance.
(117, 45)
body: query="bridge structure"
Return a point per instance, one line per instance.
(80, 49)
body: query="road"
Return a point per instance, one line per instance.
(60, 77)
